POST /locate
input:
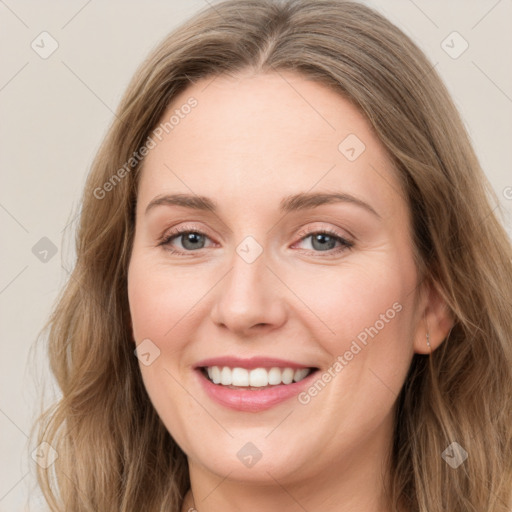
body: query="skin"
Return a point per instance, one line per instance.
(252, 140)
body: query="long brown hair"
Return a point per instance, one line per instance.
(114, 452)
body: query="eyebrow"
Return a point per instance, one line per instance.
(292, 203)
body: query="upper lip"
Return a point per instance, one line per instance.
(251, 363)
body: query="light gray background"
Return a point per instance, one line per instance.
(55, 111)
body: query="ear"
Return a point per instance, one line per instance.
(435, 319)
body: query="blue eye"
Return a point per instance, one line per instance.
(190, 240)
(326, 240)
(193, 240)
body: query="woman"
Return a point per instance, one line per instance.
(339, 338)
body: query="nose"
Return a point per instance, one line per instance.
(250, 298)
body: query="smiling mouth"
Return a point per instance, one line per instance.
(254, 379)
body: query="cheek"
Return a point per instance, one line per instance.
(158, 306)
(369, 312)
(158, 299)
(358, 297)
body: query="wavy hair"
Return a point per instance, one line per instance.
(114, 452)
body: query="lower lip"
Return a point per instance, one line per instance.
(252, 401)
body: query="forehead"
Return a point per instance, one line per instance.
(265, 136)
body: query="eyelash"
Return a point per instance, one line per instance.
(175, 233)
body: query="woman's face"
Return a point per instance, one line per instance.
(253, 283)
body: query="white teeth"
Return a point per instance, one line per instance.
(288, 375)
(301, 374)
(258, 377)
(274, 376)
(225, 377)
(215, 374)
(239, 377)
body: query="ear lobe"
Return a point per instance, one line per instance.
(437, 321)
